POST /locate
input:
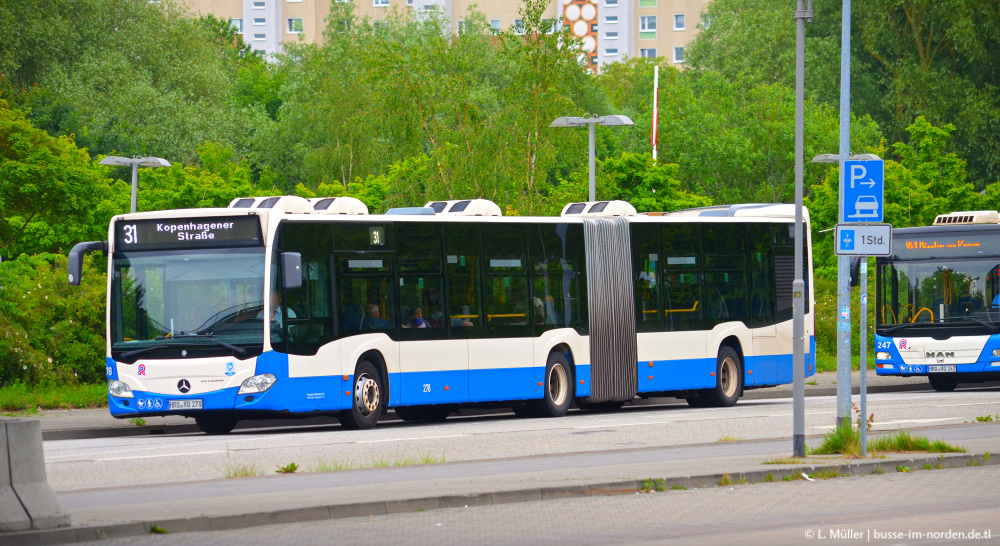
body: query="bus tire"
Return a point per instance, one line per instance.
(366, 405)
(728, 380)
(943, 382)
(558, 396)
(216, 423)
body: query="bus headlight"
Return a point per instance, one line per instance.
(119, 389)
(996, 352)
(257, 383)
(882, 355)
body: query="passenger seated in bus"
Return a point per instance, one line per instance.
(437, 319)
(373, 319)
(416, 319)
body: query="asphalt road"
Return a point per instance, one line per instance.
(925, 507)
(112, 462)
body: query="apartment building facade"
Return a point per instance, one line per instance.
(611, 30)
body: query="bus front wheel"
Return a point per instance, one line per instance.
(558, 388)
(366, 405)
(215, 423)
(943, 382)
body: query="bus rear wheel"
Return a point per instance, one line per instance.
(366, 405)
(728, 380)
(558, 388)
(217, 423)
(943, 382)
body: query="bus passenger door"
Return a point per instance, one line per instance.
(761, 368)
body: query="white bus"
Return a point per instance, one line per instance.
(286, 307)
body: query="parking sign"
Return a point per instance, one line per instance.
(863, 197)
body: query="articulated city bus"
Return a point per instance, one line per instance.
(283, 306)
(938, 301)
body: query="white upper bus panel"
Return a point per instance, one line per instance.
(466, 207)
(297, 205)
(968, 217)
(338, 205)
(770, 210)
(598, 209)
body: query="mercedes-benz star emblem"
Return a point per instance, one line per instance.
(183, 386)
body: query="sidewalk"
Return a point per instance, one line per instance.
(246, 502)
(98, 423)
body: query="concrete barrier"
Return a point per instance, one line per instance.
(27, 474)
(12, 514)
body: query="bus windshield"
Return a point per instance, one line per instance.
(207, 300)
(931, 292)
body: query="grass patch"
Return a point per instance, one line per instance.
(790, 478)
(813, 383)
(231, 470)
(988, 418)
(725, 480)
(769, 477)
(902, 468)
(289, 468)
(729, 439)
(380, 462)
(905, 441)
(878, 470)
(826, 474)
(653, 484)
(19, 397)
(678, 488)
(138, 421)
(157, 530)
(787, 460)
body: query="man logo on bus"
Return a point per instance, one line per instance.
(902, 344)
(142, 369)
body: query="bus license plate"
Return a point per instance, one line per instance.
(932, 369)
(191, 404)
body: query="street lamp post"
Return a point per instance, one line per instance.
(590, 120)
(135, 162)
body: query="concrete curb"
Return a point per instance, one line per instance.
(121, 431)
(364, 509)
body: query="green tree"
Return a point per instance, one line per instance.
(51, 195)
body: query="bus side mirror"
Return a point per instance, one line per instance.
(856, 270)
(291, 270)
(75, 262)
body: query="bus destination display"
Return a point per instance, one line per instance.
(945, 246)
(207, 232)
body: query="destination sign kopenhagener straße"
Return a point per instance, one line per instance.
(187, 233)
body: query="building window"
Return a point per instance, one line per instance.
(678, 54)
(295, 26)
(679, 21)
(381, 3)
(409, 2)
(647, 53)
(260, 52)
(611, 20)
(611, 3)
(647, 3)
(518, 26)
(461, 26)
(611, 36)
(259, 36)
(611, 52)
(259, 21)
(258, 4)
(647, 27)
(495, 25)
(237, 24)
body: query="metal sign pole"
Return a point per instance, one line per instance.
(863, 425)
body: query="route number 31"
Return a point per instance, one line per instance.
(131, 234)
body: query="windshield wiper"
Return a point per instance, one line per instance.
(209, 337)
(906, 324)
(125, 356)
(974, 319)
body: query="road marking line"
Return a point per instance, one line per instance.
(406, 439)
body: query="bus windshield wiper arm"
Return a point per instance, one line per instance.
(129, 354)
(903, 325)
(209, 337)
(974, 319)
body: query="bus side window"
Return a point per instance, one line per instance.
(506, 276)
(684, 298)
(463, 276)
(646, 260)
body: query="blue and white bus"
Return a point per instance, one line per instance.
(283, 306)
(938, 301)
